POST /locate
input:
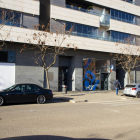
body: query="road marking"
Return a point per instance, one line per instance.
(117, 102)
(109, 101)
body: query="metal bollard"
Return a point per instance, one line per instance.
(64, 89)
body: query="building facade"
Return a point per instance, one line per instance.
(98, 26)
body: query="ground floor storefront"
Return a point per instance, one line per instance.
(79, 70)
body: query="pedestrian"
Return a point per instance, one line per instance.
(117, 85)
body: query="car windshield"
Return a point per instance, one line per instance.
(131, 86)
(7, 89)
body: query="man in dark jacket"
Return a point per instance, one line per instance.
(117, 85)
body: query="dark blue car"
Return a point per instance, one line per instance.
(22, 93)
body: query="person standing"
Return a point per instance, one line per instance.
(117, 85)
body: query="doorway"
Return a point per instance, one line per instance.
(63, 77)
(104, 81)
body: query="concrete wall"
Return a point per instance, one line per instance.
(26, 71)
(137, 74)
(118, 5)
(119, 26)
(137, 2)
(56, 25)
(78, 73)
(58, 2)
(29, 21)
(75, 16)
(25, 6)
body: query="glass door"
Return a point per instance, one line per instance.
(63, 77)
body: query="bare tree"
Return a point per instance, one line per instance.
(48, 45)
(128, 55)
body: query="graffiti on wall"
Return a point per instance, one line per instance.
(90, 80)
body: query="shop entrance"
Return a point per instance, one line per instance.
(104, 81)
(63, 77)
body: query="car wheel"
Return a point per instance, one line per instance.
(138, 94)
(41, 99)
(1, 101)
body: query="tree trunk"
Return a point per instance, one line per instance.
(47, 79)
(129, 77)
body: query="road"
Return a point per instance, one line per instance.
(111, 119)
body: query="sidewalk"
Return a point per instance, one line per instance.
(89, 96)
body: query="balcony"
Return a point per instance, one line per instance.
(82, 9)
(123, 20)
(10, 23)
(102, 38)
(25, 6)
(124, 27)
(75, 16)
(104, 19)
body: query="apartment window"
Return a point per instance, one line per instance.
(122, 37)
(9, 17)
(130, 1)
(81, 30)
(122, 16)
(7, 56)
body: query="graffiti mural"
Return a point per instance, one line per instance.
(91, 74)
(95, 74)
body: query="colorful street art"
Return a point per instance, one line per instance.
(90, 80)
(95, 74)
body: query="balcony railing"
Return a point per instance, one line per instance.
(102, 38)
(123, 20)
(105, 20)
(10, 23)
(90, 11)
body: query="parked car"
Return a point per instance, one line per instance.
(21, 93)
(132, 89)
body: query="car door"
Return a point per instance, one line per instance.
(15, 94)
(31, 93)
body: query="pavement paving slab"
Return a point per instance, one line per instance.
(90, 96)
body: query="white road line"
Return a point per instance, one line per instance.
(109, 101)
(117, 102)
(125, 104)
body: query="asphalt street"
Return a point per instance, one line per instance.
(103, 118)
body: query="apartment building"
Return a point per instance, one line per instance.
(98, 26)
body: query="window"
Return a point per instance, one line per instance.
(81, 30)
(32, 87)
(7, 56)
(20, 88)
(122, 16)
(3, 56)
(118, 36)
(130, 86)
(9, 17)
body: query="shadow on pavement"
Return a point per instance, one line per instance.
(59, 100)
(48, 137)
(54, 100)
